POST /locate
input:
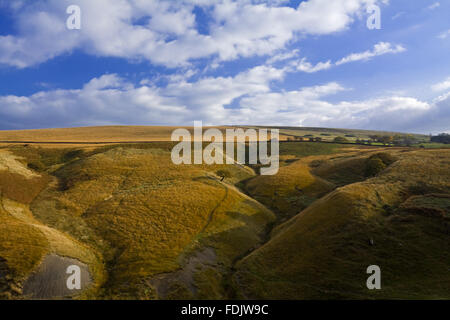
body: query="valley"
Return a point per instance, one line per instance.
(144, 228)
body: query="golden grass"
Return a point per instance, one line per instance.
(24, 241)
(323, 252)
(90, 134)
(17, 182)
(130, 214)
(293, 188)
(17, 187)
(21, 245)
(94, 134)
(145, 214)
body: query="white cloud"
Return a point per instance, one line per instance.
(165, 32)
(305, 66)
(379, 49)
(307, 107)
(104, 100)
(283, 56)
(442, 86)
(434, 6)
(110, 99)
(247, 98)
(444, 35)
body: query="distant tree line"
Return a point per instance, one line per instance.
(340, 140)
(441, 138)
(399, 140)
(395, 140)
(310, 138)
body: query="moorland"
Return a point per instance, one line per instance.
(141, 227)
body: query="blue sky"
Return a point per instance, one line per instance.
(296, 63)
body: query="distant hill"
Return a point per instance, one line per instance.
(91, 134)
(103, 135)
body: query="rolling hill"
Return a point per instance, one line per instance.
(141, 227)
(398, 220)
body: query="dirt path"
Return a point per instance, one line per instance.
(211, 215)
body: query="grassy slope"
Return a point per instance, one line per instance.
(297, 185)
(24, 241)
(95, 134)
(91, 134)
(292, 189)
(120, 202)
(146, 214)
(323, 252)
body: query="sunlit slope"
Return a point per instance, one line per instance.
(293, 188)
(308, 172)
(25, 241)
(90, 134)
(398, 220)
(147, 215)
(97, 135)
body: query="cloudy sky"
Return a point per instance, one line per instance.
(274, 62)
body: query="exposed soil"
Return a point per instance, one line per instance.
(163, 282)
(10, 163)
(49, 281)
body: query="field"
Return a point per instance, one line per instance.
(144, 228)
(328, 134)
(90, 134)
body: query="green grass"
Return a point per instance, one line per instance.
(303, 149)
(328, 134)
(432, 145)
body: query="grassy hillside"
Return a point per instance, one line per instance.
(309, 171)
(25, 241)
(147, 229)
(323, 252)
(146, 215)
(91, 134)
(292, 189)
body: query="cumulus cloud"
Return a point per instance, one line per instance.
(441, 86)
(166, 32)
(110, 99)
(247, 98)
(308, 107)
